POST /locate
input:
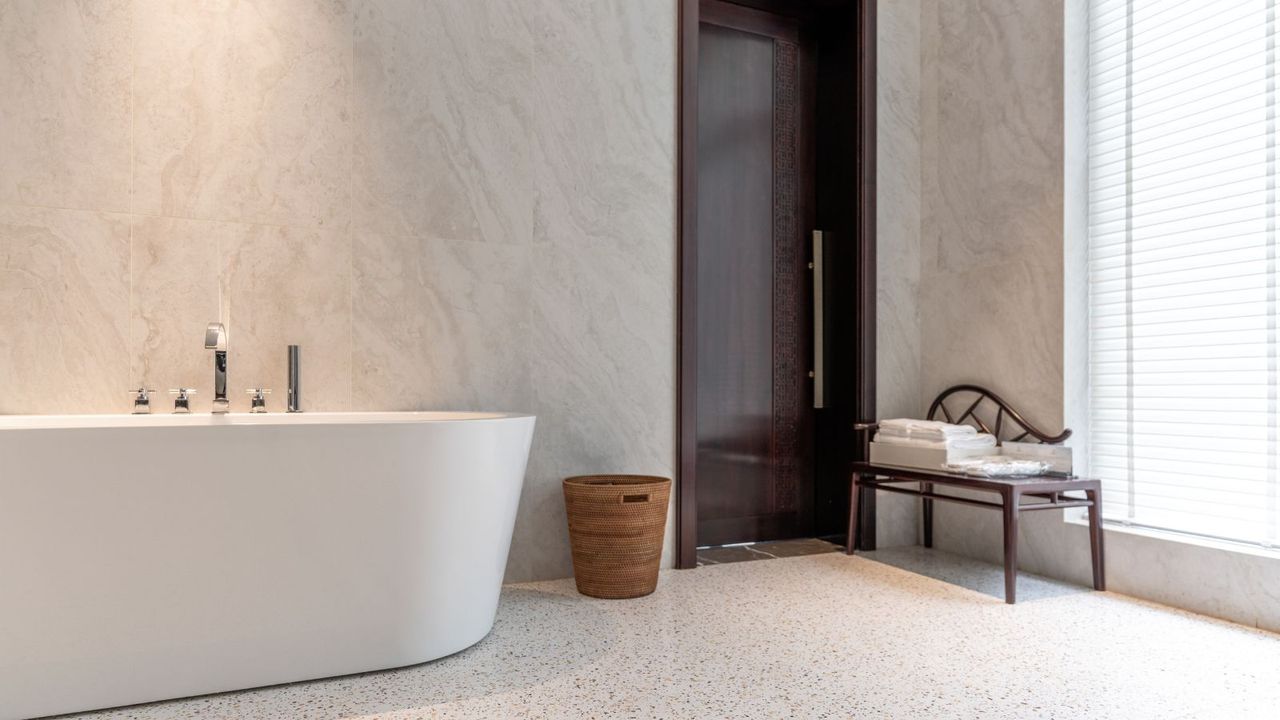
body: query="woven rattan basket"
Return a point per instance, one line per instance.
(616, 523)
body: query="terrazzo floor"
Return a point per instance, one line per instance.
(817, 636)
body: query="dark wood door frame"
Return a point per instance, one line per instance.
(862, 325)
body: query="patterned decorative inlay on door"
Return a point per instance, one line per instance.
(788, 283)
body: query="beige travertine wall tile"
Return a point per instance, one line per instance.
(64, 309)
(242, 110)
(271, 286)
(175, 270)
(65, 117)
(288, 286)
(441, 117)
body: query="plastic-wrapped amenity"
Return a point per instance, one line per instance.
(997, 466)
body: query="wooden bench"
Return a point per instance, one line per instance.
(1044, 492)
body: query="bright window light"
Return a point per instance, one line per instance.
(1183, 270)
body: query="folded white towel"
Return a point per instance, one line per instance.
(979, 441)
(927, 430)
(910, 425)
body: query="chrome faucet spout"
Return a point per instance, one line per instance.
(215, 339)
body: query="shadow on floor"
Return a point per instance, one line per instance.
(968, 573)
(538, 637)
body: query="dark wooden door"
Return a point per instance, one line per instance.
(754, 401)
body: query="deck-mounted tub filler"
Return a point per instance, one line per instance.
(153, 557)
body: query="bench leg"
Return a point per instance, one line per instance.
(927, 506)
(867, 518)
(862, 516)
(854, 491)
(1095, 539)
(1011, 500)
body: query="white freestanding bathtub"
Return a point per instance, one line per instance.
(161, 556)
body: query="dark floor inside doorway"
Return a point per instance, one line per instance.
(765, 551)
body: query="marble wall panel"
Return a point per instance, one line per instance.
(441, 324)
(898, 199)
(605, 120)
(603, 321)
(604, 379)
(441, 106)
(992, 133)
(998, 326)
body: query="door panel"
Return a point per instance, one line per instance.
(754, 400)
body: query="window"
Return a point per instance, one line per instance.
(1183, 265)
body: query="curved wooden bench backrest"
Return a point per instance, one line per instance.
(1003, 411)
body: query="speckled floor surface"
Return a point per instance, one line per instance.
(821, 636)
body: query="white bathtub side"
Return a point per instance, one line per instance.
(144, 563)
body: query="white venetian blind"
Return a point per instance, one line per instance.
(1183, 267)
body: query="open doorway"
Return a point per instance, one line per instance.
(777, 277)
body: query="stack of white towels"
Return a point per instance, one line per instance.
(932, 434)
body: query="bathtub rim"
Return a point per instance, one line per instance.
(276, 419)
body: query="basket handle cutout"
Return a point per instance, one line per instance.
(636, 498)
